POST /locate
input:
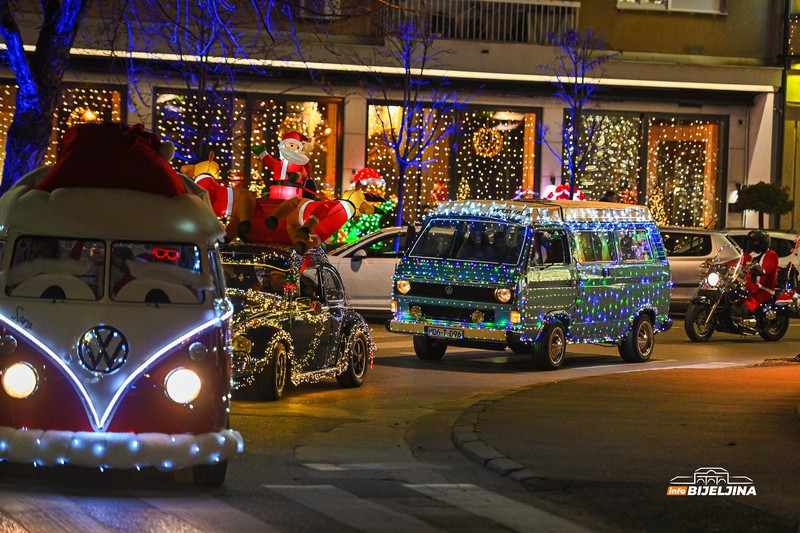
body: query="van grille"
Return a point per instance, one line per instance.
(443, 312)
(457, 292)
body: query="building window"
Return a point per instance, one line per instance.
(79, 105)
(490, 155)
(712, 7)
(680, 178)
(231, 126)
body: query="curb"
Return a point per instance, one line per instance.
(467, 439)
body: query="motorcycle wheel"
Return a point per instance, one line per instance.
(776, 329)
(695, 323)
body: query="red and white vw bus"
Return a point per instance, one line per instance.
(113, 330)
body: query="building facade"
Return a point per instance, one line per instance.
(684, 113)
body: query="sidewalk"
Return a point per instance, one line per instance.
(608, 446)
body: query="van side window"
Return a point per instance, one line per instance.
(552, 248)
(635, 245)
(595, 246)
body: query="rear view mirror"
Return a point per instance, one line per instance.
(411, 232)
(359, 254)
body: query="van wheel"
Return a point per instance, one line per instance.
(637, 347)
(427, 349)
(549, 350)
(212, 475)
(272, 380)
(357, 362)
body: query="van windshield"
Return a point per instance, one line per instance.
(161, 273)
(56, 268)
(470, 240)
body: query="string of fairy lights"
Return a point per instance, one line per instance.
(491, 155)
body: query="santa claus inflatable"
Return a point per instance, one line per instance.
(293, 159)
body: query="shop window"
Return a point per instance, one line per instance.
(711, 7)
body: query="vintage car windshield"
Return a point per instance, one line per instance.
(157, 273)
(257, 273)
(470, 240)
(56, 268)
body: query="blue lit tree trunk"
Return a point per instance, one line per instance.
(39, 74)
(427, 114)
(578, 54)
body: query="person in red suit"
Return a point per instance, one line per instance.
(760, 287)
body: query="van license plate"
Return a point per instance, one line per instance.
(444, 333)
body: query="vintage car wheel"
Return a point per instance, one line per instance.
(212, 475)
(357, 362)
(776, 330)
(427, 349)
(637, 347)
(548, 352)
(272, 380)
(695, 323)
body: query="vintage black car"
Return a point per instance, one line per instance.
(291, 321)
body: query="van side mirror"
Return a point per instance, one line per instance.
(359, 254)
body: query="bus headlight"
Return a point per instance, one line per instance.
(403, 286)
(502, 295)
(182, 385)
(20, 380)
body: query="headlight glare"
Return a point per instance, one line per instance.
(403, 286)
(182, 385)
(713, 279)
(20, 380)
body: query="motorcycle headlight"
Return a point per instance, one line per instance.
(713, 279)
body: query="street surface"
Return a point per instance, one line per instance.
(599, 441)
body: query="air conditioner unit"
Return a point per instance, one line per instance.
(319, 10)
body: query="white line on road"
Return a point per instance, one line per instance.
(209, 514)
(341, 467)
(351, 510)
(510, 513)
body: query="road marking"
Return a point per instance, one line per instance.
(342, 467)
(209, 514)
(510, 513)
(351, 510)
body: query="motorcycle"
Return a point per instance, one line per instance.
(718, 305)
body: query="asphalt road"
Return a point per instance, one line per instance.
(601, 440)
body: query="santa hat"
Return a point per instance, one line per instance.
(296, 135)
(112, 155)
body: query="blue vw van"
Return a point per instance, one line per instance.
(533, 275)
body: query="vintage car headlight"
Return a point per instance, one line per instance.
(20, 380)
(403, 286)
(502, 295)
(241, 343)
(182, 385)
(713, 279)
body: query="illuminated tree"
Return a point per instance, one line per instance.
(427, 105)
(578, 54)
(39, 76)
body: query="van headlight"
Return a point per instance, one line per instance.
(403, 286)
(713, 279)
(20, 380)
(182, 385)
(502, 295)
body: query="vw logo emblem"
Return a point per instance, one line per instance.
(448, 290)
(103, 349)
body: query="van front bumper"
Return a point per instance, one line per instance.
(469, 334)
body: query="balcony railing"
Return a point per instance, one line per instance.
(509, 21)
